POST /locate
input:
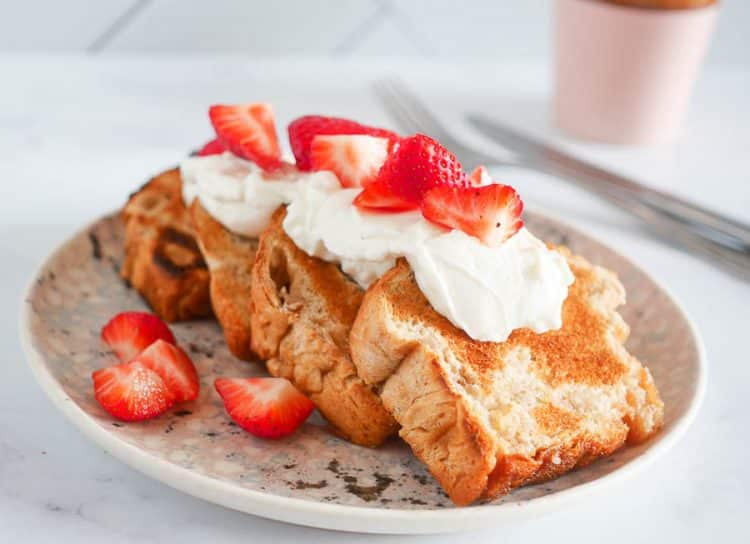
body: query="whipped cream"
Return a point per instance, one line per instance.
(239, 194)
(487, 292)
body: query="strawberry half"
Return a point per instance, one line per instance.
(214, 147)
(491, 213)
(174, 367)
(265, 407)
(303, 130)
(377, 196)
(129, 333)
(248, 131)
(354, 158)
(418, 164)
(131, 392)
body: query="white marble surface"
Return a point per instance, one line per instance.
(76, 135)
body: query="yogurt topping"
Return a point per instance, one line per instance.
(487, 292)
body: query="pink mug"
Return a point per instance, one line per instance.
(624, 74)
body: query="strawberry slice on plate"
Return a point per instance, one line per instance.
(265, 407)
(354, 158)
(248, 131)
(174, 367)
(418, 164)
(214, 147)
(129, 333)
(131, 392)
(303, 130)
(491, 213)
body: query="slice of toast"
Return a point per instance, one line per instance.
(162, 260)
(230, 258)
(488, 417)
(303, 309)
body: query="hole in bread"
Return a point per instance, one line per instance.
(279, 271)
(149, 202)
(176, 252)
(180, 256)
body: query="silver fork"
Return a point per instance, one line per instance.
(692, 233)
(412, 116)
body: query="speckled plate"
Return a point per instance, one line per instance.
(313, 477)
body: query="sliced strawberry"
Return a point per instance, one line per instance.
(131, 392)
(248, 131)
(214, 147)
(174, 367)
(354, 158)
(377, 196)
(129, 333)
(491, 213)
(418, 164)
(265, 407)
(480, 176)
(303, 130)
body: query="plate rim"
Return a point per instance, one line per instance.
(350, 518)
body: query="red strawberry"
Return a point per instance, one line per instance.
(174, 367)
(248, 131)
(480, 176)
(131, 392)
(303, 130)
(418, 164)
(491, 213)
(129, 333)
(354, 158)
(377, 196)
(265, 407)
(214, 147)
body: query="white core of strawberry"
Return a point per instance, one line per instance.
(355, 159)
(268, 390)
(143, 381)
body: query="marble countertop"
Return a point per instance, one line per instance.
(78, 134)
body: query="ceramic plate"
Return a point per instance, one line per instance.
(314, 478)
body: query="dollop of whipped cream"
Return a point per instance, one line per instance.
(487, 292)
(239, 194)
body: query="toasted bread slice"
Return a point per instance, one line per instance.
(303, 309)
(488, 417)
(162, 260)
(230, 258)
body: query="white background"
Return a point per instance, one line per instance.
(97, 96)
(501, 30)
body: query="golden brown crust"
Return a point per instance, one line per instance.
(435, 425)
(162, 260)
(566, 352)
(230, 259)
(303, 309)
(487, 417)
